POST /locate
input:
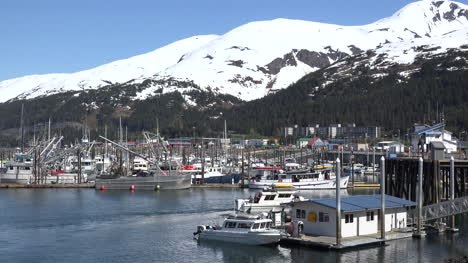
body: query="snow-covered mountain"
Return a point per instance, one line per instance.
(255, 59)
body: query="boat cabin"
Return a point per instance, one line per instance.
(247, 224)
(272, 197)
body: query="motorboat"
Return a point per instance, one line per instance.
(242, 229)
(268, 200)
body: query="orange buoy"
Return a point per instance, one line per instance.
(103, 187)
(132, 187)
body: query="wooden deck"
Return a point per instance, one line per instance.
(327, 242)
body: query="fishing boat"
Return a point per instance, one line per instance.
(153, 180)
(18, 171)
(320, 178)
(242, 229)
(159, 176)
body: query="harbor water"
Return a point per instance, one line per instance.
(85, 225)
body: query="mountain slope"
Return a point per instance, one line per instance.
(259, 58)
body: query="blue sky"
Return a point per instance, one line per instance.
(62, 36)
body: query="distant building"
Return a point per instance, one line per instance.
(254, 142)
(423, 135)
(390, 146)
(317, 142)
(179, 143)
(332, 131)
(302, 142)
(360, 146)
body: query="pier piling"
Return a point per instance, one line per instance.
(338, 203)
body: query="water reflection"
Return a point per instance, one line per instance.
(228, 252)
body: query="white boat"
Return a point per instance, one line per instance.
(213, 171)
(248, 230)
(267, 200)
(19, 170)
(139, 165)
(103, 163)
(320, 179)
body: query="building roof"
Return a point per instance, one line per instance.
(363, 202)
(439, 126)
(437, 145)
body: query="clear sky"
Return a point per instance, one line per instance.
(63, 36)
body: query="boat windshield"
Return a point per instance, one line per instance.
(230, 225)
(244, 225)
(256, 226)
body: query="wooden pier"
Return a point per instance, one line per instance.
(401, 175)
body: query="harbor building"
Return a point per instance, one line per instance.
(359, 215)
(390, 146)
(423, 135)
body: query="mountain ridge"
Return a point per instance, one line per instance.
(261, 57)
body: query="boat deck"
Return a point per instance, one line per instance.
(327, 242)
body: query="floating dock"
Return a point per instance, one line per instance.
(20, 186)
(328, 242)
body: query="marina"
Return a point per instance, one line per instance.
(155, 131)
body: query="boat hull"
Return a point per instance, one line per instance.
(306, 185)
(247, 238)
(170, 182)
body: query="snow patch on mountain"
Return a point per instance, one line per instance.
(258, 58)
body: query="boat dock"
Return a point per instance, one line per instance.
(329, 242)
(219, 186)
(363, 185)
(21, 186)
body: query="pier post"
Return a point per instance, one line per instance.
(373, 166)
(338, 203)
(420, 196)
(452, 191)
(242, 166)
(382, 197)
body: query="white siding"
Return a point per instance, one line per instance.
(368, 227)
(348, 229)
(316, 228)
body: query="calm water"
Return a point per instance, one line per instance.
(84, 225)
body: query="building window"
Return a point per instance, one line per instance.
(300, 213)
(370, 216)
(323, 217)
(349, 218)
